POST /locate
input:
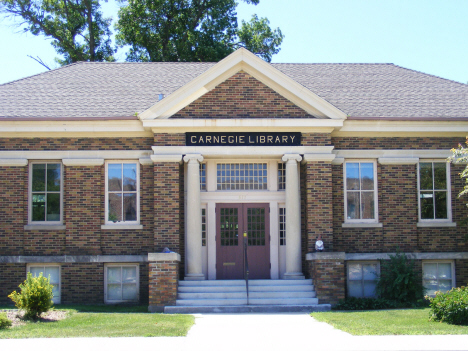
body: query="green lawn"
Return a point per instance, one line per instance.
(388, 322)
(104, 321)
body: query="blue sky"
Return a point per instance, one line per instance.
(430, 36)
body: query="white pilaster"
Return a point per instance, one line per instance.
(194, 225)
(293, 218)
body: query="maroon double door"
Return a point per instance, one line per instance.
(232, 221)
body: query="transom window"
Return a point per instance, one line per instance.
(362, 279)
(433, 191)
(122, 192)
(52, 272)
(122, 283)
(360, 191)
(242, 176)
(438, 276)
(46, 192)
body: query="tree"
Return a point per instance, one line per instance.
(77, 28)
(191, 30)
(460, 155)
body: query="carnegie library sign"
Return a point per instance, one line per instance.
(243, 139)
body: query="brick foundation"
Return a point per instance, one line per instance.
(163, 280)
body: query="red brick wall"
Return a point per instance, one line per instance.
(75, 144)
(163, 282)
(83, 209)
(169, 139)
(242, 96)
(83, 283)
(12, 184)
(44, 242)
(430, 143)
(166, 206)
(461, 272)
(11, 275)
(315, 139)
(329, 278)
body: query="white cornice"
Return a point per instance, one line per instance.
(388, 154)
(167, 158)
(318, 157)
(70, 129)
(401, 128)
(13, 162)
(304, 125)
(243, 60)
(76, 155)
(241, 151)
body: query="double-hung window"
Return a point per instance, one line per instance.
(51, 271)
(122, 283)
(122, 192)
(360, 188)
(434, 191)
(45, 198)
(362, 278)
(438, 276)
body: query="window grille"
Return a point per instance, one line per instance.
(281, 176)
(282, 226)
(242, 176)
(202, 176)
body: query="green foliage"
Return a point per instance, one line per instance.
(450, 307)
(460, 155)
(399, 281)
(191, 31)
(4, 321)
(77, 28)
(361, 303)
(35, 296)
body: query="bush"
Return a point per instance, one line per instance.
(450, 307)
(400, 282)
(4, 321)
(362, 303)
(35, 296)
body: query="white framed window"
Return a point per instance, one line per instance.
(282, 226)
(362, 278)
(360, 191)
(438, 276)
(121, 282)
(45, 193)
(203, 219)
(49, 270)
(281, 176)
(122, 203)
(203, 176)
(434, 197)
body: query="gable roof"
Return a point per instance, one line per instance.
(118, 90)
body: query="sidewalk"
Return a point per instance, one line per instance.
(244, 332)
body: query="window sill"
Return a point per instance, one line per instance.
(121, 226)
(44, 227)
(361, 225)
(436, 224)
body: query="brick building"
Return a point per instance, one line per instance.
(104, 165)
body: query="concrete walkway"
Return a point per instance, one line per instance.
(244, 332)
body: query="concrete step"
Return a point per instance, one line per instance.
(239, 282)
(283, 301)
(212, 302)
(212, 295)
(211, 282)
(208, 289)
(281, 288)
(248, 309)
(258, 282)
(281, 294)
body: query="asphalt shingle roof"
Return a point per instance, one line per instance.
(87, 90)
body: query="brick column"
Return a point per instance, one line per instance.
(327, 269)
(163, 280)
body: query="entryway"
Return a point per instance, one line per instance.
(232, 221)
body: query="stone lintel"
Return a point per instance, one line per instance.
(158, 256)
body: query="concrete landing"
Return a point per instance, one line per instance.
(248, 309)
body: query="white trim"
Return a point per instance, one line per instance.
(121, 265)
(73, 129)
(243, 60)
(443, 222)
(146, 161)
(401, 128)
(56, 300)
(45, 222)
(166, 158)
(75, 154)
(337, 161)
(13, 162)
(245, 152)
(44, 227)
(361, 221)
(452, 266)
(83, 161)
(161, 256)
(389, 153)
(318, 157)
(122, 224)
(398, 160)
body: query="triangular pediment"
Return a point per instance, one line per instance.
(241, 69)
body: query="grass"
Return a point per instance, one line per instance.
(103, 321)
(388, 322)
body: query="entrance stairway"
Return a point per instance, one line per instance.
(230, 296)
